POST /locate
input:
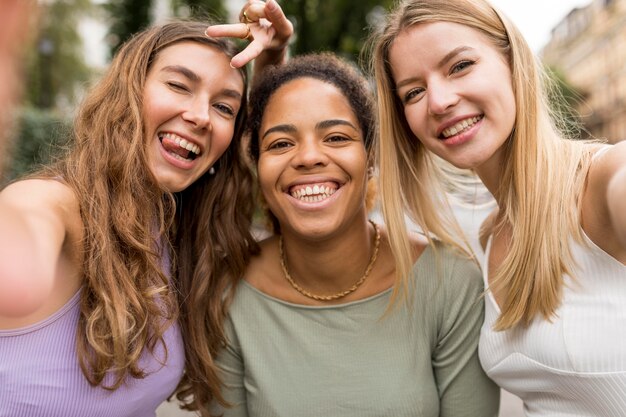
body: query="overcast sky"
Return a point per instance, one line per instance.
(536, 18)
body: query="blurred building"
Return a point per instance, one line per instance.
(589, 48)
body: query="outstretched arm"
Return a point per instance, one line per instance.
(270, 32)
(33, 218)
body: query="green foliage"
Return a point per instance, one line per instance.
(42, 134)
(55, 65)
(127, 18)
(340, 26)
(201, 9)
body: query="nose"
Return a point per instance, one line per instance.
(441, 97)
(309, 154)
(198, 113)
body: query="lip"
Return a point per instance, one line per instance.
(175, 162)
(455, 120)
(183, 136)
(313, 180)
(463, 137)
(313, 205)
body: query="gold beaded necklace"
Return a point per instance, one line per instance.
(283, 264)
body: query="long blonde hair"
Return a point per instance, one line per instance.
(128, 299)
(542, 179)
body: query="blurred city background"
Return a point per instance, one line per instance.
(72, 42)
(74, 39)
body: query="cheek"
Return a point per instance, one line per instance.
(153, 103)
(416, 124)
(266, 178)
(222, 137)
(511, 108)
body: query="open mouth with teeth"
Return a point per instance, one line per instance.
(178, 147)
(460, 127)
(312, 193)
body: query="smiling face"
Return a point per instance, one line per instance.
(312, 164)
(190, 103)
(456, 90)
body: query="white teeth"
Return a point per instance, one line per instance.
(460, 126)
(183, 143)
(313, 194)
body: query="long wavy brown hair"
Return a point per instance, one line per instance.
(128, 299)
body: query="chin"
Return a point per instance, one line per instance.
(172, 187)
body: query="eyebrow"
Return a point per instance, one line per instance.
(192, 76)
(447, 57)
(334, 122)
(232, 93)
(186, 72)
(452, 54)
(325, 124)
(280, 128)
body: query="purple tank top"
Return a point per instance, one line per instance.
(40, 375)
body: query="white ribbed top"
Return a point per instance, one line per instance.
(576, 364)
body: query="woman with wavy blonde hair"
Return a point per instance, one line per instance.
(115, 261)
(456, 80)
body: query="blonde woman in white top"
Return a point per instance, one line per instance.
(456, 79)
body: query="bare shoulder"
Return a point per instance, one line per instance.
(38, 192)
(602, 170)
(607, 163)
(603, 200)
(44, 197)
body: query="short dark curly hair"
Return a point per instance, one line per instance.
(325, 67)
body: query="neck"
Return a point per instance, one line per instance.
(490, 173)
(329, 266)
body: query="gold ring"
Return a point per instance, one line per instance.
(246, 19)
(248, 31)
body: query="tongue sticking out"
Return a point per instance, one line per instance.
(171, 146)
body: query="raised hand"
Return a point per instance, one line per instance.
(267, 28)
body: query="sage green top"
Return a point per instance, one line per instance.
(290, 360)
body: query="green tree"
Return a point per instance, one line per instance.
(41, 136)
(127, 17)
(56, 66)
(339, 25)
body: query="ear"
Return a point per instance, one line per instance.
(371, 192)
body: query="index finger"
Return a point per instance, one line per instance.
(229, 30)
(253, 50)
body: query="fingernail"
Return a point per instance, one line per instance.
(271, 5)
